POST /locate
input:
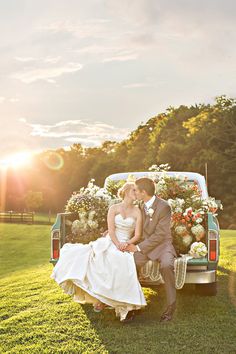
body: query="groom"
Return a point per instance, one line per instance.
(156, 242)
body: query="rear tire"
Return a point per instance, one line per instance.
(206, 289)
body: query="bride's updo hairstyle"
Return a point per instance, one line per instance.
(124, 189)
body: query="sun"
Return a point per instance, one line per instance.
(16, 160)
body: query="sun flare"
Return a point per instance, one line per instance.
(16, 160)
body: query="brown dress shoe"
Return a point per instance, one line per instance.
(168, 314)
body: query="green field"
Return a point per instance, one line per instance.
(36, 317)
(44, 217)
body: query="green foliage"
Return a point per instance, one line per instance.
(33, 200)
(113, 187)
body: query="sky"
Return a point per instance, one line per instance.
(74, 71)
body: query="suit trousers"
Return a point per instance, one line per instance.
(166, 260)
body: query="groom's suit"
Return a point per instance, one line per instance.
(156, 244)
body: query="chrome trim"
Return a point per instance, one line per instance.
(212, 234)
(191, 278)
(196, 267)
(54, 232)
(200, 277)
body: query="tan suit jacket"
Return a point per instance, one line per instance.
(157, 237)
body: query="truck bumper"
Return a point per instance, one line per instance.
(192, 277)
(199, 277)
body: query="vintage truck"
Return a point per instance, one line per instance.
(200, 271)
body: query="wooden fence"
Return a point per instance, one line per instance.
(12, 216)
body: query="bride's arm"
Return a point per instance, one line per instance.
(138, 228)
(111, 225)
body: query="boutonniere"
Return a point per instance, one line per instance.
(150, 213)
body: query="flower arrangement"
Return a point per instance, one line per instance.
(188, 224)
(188, 209)
(90, 206)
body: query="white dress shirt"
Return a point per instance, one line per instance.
(150, 202)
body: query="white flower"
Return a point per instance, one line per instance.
(187, 210)
(82, 215)
(93, 224)
(150, 212)
(91, 214)
(198, 250)
(176, 205)
(76, 226)
(102, 194)
(198, 220)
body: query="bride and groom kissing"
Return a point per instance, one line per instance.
(105, 272)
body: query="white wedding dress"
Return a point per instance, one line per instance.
(98, 270)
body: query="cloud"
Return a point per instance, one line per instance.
(52, 60)
(92, 28)
(138, 85)
(46, 73)
(87, 133)
(9, 99)
(121, 57)
(25, 59)
(34, 137)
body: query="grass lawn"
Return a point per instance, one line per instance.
(36, 317)
(44, 217)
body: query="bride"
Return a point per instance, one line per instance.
(101, 272)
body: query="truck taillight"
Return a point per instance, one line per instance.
(55, 244)
(212, 250)
(212, 246)
(55, 249)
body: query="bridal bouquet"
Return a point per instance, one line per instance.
(90, 206)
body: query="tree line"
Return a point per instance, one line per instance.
(186, 137)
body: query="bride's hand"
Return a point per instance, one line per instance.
(122, 246)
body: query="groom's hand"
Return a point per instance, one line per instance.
(131, 248)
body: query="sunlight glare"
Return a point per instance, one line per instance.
(16, 160)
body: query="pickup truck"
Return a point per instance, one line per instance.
(200, 271)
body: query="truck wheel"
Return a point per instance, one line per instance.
(206, 289)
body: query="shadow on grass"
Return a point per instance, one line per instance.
(148, 316)
(191, 308)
